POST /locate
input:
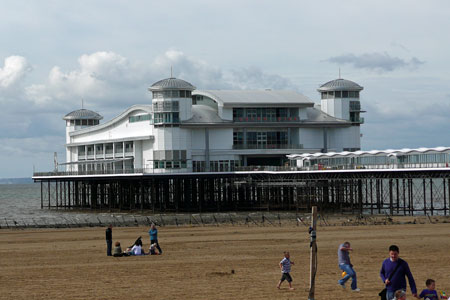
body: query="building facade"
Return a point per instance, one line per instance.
(188, 130)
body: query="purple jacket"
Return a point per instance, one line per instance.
(398, 281)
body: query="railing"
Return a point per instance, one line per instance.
(266, 119)
(268, 146)
(360, 121)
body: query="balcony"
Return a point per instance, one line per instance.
(265, 119)
(267, 146)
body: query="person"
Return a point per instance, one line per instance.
(400, 295)
(117, 250)
(152, 250)
(137, 248)
(345, 265)
(430, 292)
(153, 232)
(109, 240)
(397, 280)
(285, 266)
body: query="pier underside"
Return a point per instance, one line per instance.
(394, 192)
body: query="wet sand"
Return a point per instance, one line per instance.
(198, 262)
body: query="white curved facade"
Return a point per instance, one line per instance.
(185, 130)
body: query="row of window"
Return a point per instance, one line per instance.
(172, 117)
(216, 165)
(82, 122)
(260, 137)
(169, 164)
(105, 148)
(140, 118)
(169, 154)
(340, 94)
(171, 94)
(269, 113)
(162, 106)
(384, 160)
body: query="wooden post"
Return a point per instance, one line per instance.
(313, 260)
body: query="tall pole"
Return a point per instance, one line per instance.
(313, 260)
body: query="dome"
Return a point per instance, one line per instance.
(340, 85)
(83, 114)
(171, 84)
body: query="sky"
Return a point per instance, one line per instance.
(56, 54)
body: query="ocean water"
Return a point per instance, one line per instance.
(20, 206)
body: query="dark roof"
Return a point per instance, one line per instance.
(83, 114)
(340, 85)
(171, 84)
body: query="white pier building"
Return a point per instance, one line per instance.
(188, 130)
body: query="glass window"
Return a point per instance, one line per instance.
(324, 95)
(84, 122)
(330, 95)
(338, 94)
(344, 94)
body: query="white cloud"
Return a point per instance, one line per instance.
(14, 70)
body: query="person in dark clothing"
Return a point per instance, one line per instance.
(397, 281)
(109, 240)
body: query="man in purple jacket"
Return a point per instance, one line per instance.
(397, 281)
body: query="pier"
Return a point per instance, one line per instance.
(421, 191)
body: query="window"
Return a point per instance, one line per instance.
(324, 95)
(140, 118)
(238, 138)
(344, 94)
(330, 95)
(337, 94)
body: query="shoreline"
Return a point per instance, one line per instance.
(258, 219)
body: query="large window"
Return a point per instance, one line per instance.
(166, 118)
(265, 114)
(260, 139)
(140, 118)
(171, 94)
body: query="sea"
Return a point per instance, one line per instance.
(20, 206)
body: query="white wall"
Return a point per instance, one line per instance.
(311, 138)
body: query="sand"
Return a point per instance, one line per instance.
(198, 262)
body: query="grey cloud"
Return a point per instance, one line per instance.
(376, 61)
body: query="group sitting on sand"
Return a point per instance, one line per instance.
(137, 248)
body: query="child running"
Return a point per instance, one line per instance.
(285, 266)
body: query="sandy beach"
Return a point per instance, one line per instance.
(198, 262)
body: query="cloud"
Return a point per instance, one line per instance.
(14, 70)
(381, 62)
(101, 76)
(110, 81)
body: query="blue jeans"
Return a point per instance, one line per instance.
(389, 295)
(350, 273)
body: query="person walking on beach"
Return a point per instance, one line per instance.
(153, 232)
(285, 266)
(345, 265)
(393, 272)
(109, 240)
